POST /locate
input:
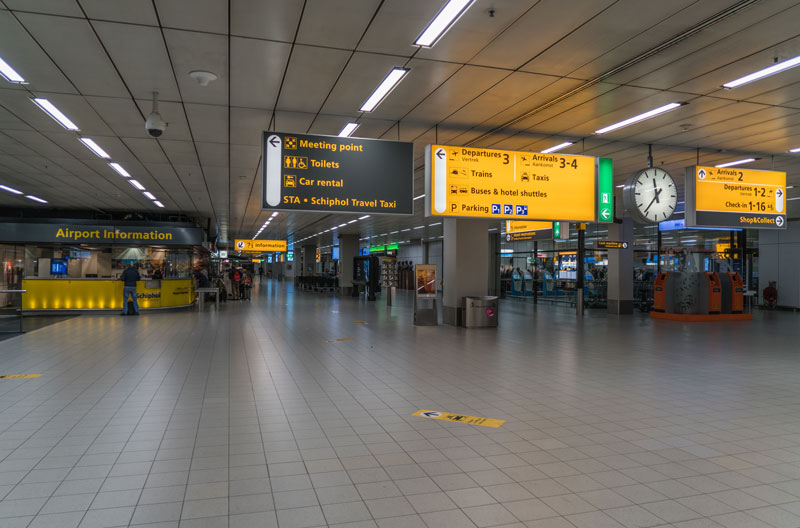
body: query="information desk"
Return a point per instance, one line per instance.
(103, 294)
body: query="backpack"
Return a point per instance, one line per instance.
(236, 276)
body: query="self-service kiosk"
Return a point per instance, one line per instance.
(527, 284)
(516, 283)
(660, 292)
(698, 293)
(732, 292)
(714, 292)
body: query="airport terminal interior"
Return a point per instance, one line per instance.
(399, 264)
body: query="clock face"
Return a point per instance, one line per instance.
(652, 195)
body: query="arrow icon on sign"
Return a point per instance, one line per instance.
(779, 193)
(432, 414)
(440, 153)
(272, 141)
(604, 214)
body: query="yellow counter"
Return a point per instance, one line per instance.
(102, 294)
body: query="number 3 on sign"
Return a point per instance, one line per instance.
(573, 163)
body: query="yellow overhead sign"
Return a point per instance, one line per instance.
(515, 226)
(734, 197)
(260, 245)
(487, 183)
(460, 418)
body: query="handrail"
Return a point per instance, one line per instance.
(13, 291)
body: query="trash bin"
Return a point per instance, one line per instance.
(480, 312)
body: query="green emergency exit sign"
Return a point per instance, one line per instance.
(605, 190)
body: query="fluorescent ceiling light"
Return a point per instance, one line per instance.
(437, 223)
(159, 204)
(448, 16)
(9, 73)
(35, 198)
(419, 227)
(795, 198)
(558, 147)
(641, 117)
(274, 214)
(342, 225)
(620, 186)
(94, 147)
(363, 217)
(418, 197)
(732, 163)
(10, 189)
(795, 149)
(352, 221)
(384, 89)
(137, 184)
(149, 195)
(117, 167)
(766, 72)
(55, 113)
(348, 129)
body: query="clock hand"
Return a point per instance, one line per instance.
(650, 205)
(657, 190)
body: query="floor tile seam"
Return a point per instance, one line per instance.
(175, 356)
(67, 383)
(219, 337)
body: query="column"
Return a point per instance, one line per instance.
(466, 264)
(494, 263)
(620, 269)
(348, 249)
(309, 260)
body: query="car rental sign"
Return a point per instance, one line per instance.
(488, 183)
(303, 172)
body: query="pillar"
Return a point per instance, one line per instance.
(494, 264)
(620, 269)
(348, 249)
(466, 264)
(309, 259)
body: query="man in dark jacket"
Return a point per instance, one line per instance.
(129, 278)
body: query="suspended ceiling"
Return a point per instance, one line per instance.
(536, 73)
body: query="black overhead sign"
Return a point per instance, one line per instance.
(302, 172)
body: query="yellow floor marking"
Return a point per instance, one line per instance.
(360, 322)
(460, 418)
(338, 340)
(19, 376)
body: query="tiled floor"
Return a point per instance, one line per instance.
(264, 415)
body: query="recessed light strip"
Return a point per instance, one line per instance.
(348, 129)
(442, 22)
(149, 195)
(10, 189)
(383, 89)
(35, 198)
(766, 72)
(117, 167)
(94, 147)
(55, 113)
(136, 184)
(9, 73)
(641, 117)
(737, 162)
(558, 147)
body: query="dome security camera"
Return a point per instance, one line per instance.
(154, 124)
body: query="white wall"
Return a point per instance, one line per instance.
(778, 255)
(411, 252)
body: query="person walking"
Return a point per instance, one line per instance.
(235, 277)
(260, 273)
(129, 279)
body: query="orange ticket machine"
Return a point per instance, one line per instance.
(660, 291)
(737, 293)
(714, 292)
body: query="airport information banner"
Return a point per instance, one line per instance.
(304, 172)
(487, 183)
(260, 245)
(733, 197)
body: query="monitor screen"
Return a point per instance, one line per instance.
(58, 266)
(335, 255)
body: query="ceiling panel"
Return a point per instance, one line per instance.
(129, 11)
(256, 72)
(72, 44)
(351, 16)
(54, 7)
(191, 51)
(397, 25)
(273, 20)
(312, 71)
(196, 15)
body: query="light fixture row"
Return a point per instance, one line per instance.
(12, 76)
(12, 190)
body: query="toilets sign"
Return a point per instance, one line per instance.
(303, 172)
